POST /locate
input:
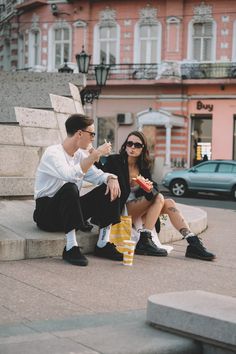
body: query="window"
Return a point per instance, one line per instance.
(202, 41)
(7, 55)
(147, 48)
(148, 44)
(108, 44)
(61, 46)
(106, 129)
(234, 139)
(225, 168)
(21, 51)
(34, 48)
(201, 137)
(207, 168)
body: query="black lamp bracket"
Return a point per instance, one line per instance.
(89, 94)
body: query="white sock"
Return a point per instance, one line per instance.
(104, 236)
(189, 235)
(71, 240)
(145, 230)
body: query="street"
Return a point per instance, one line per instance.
(203, 200)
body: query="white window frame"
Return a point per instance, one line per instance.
(7, 55)
(32, 50)
(21, 52)
(234, 42)
(96, 46)
(51, 44)
(137, 43)
(190, 41)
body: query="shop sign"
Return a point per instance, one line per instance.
(201, 105)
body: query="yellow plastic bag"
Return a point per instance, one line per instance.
(121, 231)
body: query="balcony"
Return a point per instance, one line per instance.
(208, 71)
(169, 70)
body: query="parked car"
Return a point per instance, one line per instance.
(217, 176)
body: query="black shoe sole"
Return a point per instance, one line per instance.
(107, 257)
(145, 253)
(192, 255)
(81, 264)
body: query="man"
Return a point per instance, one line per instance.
(59, 177)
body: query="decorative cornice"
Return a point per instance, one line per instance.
(202, 13)
(35, 22)
(148, 16)
(107, 17)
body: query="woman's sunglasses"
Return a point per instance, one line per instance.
(135, 145)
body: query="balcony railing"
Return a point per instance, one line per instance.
(208, 70)
(167, 70)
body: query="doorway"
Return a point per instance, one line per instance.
(201, 138)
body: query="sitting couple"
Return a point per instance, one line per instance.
(59, 206)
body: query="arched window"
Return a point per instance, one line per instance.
(202, 35)
(108, 44)
(147, 37)
(202, 41)
(34, 48)
(107, 39)
(59, 45)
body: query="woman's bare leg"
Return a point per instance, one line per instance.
(176, 217)
(150, 210)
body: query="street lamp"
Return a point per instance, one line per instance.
(101, 72)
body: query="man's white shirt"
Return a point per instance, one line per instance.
(57, 168)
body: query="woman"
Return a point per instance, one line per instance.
(132, 161)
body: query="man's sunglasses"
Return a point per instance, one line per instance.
(92, 134)
(135, 145)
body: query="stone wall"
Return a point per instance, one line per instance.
(22, 145)
(31, 89)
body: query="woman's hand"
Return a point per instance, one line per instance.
(144, 183)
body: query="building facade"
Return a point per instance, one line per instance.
(172, 67)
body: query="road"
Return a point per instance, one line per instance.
(203, 200)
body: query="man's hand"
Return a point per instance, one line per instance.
(114, 188)
(102, 150)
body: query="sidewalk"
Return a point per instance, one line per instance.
(48, 306)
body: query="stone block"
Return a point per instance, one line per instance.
(79, 108)
(46, 244)
(10, 135)
(75, 93)
(206, 317)
(16, 186)
(19, 161)
(41, 136)
(62, 104)
(41, 118)
(61, 118)
(12, 246)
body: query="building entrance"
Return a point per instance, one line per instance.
(201, 138)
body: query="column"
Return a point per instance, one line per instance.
(168, 127)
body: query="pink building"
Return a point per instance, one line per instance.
(172, 66)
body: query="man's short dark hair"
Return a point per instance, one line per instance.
(77, 122)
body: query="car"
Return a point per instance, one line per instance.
(217, 176)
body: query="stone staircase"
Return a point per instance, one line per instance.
(22, 145)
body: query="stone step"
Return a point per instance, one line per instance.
(206, 317)
(20, 238)
(111, 333)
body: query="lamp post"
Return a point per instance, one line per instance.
(101, 72)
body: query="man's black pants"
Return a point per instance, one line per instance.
(66, 210)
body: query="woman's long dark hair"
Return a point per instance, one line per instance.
(144, 159)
